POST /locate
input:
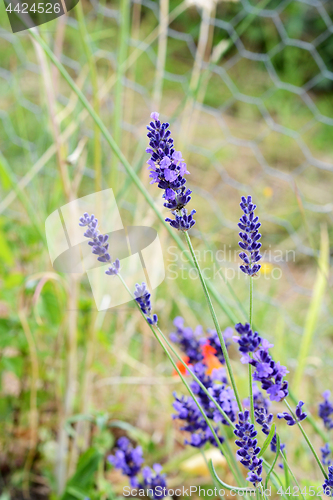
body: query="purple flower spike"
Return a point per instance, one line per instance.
(248, 447)
(167, 169)
(300, 415)
(325, 410)
(127, 458)
(142, 296)
(183, 221)
(248, 340)
(190, 341)
(194, 422)
(325, 454)
(250, 236)
(268, 372)
(328, 484)
(153, 479)
(99, 242)
(114, 269)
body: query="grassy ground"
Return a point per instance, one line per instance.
(241, 131)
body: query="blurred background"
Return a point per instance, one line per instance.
(247, 87)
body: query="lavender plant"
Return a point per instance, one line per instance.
(255, 350)
(213, 405)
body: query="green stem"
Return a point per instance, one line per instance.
(251, 301)
(250, 366)
(287, 468)
(215, 320)
(307, 440)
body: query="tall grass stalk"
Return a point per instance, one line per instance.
(86, 395)
(312, 316)
(34, 418)
(58, 46)
(131, 75)
(118, 96)
(51, 104)
(8, 180)
(70, 387)
(202, 48)
(94, 82)
(161, 52)
(220, 50)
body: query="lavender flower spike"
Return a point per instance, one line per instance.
(326, 454)
(142, 296)
(268, 372)
(325, 410)
(154, 482)
(168, 169)
(126, 458)
(248, 452)
(250, 236)
(300, 415)
(99, 242)
(328, 484)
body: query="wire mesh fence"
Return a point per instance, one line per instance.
(247, 85)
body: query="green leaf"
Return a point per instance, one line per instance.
(83, 479)
(6, 254)
(5, 177)
(77, 493)
(267, 440)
